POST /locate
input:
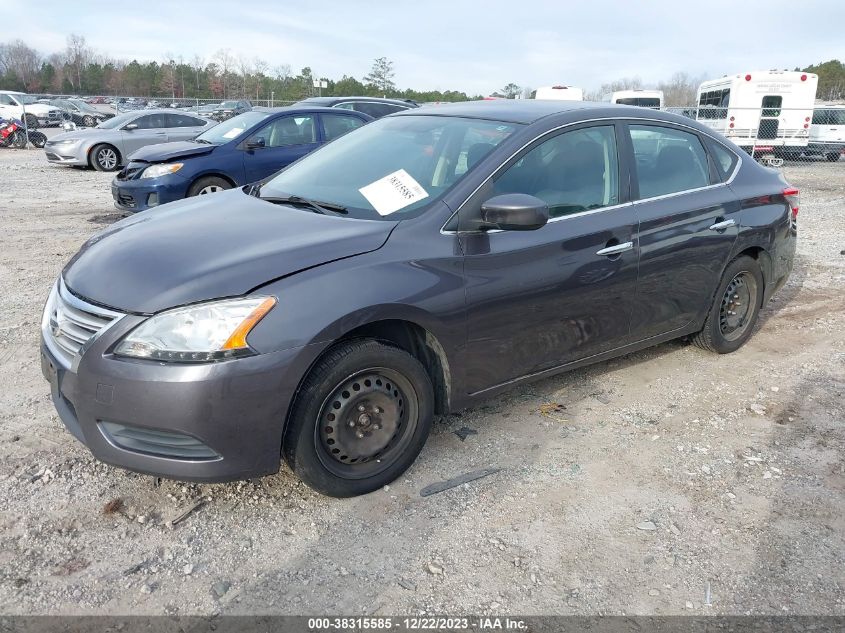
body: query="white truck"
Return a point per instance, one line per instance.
(559, 93)
(638, 97)
(17, 105)
(827, 132)
(766, 112)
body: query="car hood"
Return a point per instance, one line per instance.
(83, 133)
(207, 247)
(40, 108)
(161, 152)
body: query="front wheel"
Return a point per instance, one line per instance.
(735, 308)
(38, 139)
(360, 419)
(105, 158)
(19, 140)
(210, 184)
(88, 121)
(833, 156)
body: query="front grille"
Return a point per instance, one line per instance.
(51, 156)
(126, 200)
(72, 322)
(131, 170)
(155, 442)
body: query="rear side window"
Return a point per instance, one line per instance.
(377, 110)
(182, 120)
(335, 125)
(668, 160)
(149, 122)
(725, 160)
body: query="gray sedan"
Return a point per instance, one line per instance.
(107, 146)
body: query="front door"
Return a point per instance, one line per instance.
(286, 139)
(149, 131)
(540, 299)
(689, 221)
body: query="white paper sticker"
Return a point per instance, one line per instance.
(393, 192)
(233, 132)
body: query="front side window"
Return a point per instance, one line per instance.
(668, 160)
(572, 172)
(149, 122)
(6, 100)
(417, 158)
(288, 130)
(336, 125)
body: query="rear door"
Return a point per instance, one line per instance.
(689, 219)
(286, 139)
(540, 299)
(182, 127)
(150, 131)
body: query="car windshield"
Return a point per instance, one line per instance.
(229, 104)
(392, 166)
(231, 129)
(27, 99)
(119, 120)
(84, 106)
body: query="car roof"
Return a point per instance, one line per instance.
(527, 111)
(304, 108)
(327, 100)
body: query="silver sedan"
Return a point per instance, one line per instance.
(107, 146)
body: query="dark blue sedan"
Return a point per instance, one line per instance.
(242, 150)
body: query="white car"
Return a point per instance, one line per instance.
(827, 133)
(16, 105)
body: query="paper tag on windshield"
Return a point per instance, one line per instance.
(233, 132)
(393, 192)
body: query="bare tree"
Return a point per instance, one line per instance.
(245, 67)
(225, 62)
(77, 55)
(680, 90)
(625, 83)
(198, 63)
(20, 60)
(260, 67)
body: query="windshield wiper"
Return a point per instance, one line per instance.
(326, 208)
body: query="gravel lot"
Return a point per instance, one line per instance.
(628, 487)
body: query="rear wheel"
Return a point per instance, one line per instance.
(88, 121)
(210, 184)
(105, 158)
(833, 156)
(19, 140)
(735, 308)
(38, 139)
(31, 122)
(360, 419)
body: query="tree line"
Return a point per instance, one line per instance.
(80, 70)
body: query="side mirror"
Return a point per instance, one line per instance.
(514, 212)
(256, 143)
(130, 126)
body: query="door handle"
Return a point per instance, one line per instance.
(721, 226)
(616, 249)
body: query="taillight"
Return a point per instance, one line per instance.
(803, 77)
(748, 78)
(792, 195)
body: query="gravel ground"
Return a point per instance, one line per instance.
(629, 487)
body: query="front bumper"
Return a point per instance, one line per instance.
(205, 422)
(144, 193)
(71, 154)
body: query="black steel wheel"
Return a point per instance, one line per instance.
(360, 418)
(736, 306)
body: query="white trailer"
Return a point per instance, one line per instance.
(642, 98)
(766, 112)
(559, 93)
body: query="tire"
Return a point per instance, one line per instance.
(31, 122)
(19, 140)
(88, 121)
(105, 157)
(38, 139)
(736, 306)
(360, 418)
(209, 184)
(833, 156)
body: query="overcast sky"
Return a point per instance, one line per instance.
(476, 46)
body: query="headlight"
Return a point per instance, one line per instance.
(154, 171)
(65, 141)
(199, 333)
